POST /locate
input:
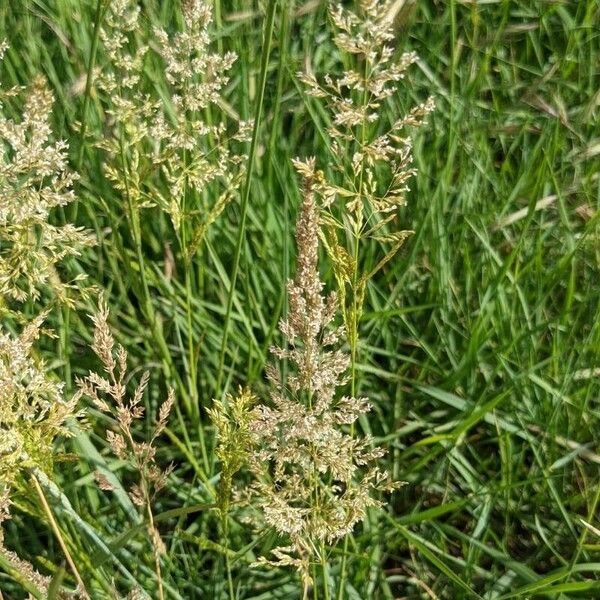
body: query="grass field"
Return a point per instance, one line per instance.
(478, 347)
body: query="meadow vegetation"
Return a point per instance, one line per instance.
(299, 299)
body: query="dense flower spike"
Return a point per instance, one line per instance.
(232, 419)
(315, 481)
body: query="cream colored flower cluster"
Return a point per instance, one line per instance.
(314, 480)
(370, 158)
(34, 180)
(193, 155)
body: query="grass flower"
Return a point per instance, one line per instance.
(315, 481)
(34, 180)
(33, 414)
(371, 158)
(109, 395)
(192, 152)
(33, 410)
(232, 418)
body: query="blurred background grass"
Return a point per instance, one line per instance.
(481, 346)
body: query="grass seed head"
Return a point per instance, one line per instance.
(315, 481)
(34, 180)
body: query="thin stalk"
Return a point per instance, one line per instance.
(225, 529)
(325, 571)
(148, 307)
(57, 533)
(157, 567)
(190, 336)
(266, 52)
(64, 345)
(275, 124)
(354, 321)
(101, 6)
(126, 433)
(188, 261)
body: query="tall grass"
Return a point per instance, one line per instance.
(478, 346)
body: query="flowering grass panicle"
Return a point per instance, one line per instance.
(109, 394)
(33, 409)
(191, 151)
(34, 179)
(33, 415)
(196, 151)
(315, 481)
(34, 412)
(371, 156)
(120, 24)
(232, 419)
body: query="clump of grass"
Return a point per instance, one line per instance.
(366, 182)
(175, 147)
(474, 344)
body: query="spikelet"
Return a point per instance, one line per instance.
(315, 482)
(371, 159)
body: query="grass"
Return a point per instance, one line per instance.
(480, 340)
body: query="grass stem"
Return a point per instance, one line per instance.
(241, 233)
(59, 537)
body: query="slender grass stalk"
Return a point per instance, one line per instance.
(264, 64)
(57, 533)
(148, 307)
(284, 32)
(157, 567)
(325, 572)
(193, 384)
(101, 7)
(225, 530)
(356, 313)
